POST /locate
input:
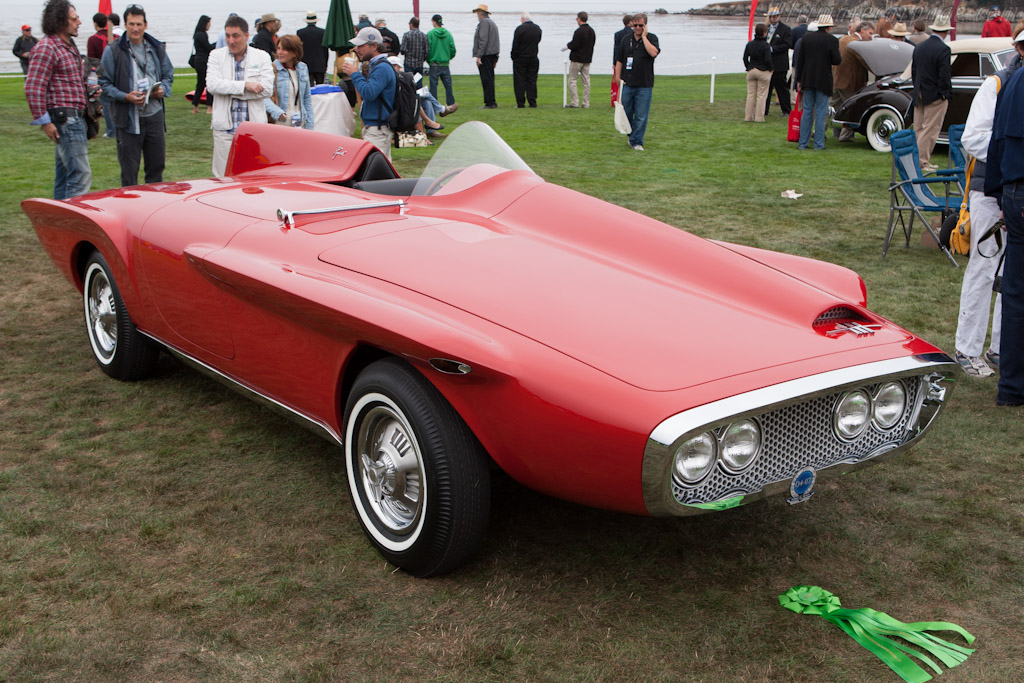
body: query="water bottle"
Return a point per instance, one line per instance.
(93, 78)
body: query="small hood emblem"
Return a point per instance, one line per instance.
(858, 329)
(340, 152)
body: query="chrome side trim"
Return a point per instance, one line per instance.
(288, 217)
(657, 465)
(313, 424)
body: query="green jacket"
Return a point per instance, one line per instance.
(442, 46)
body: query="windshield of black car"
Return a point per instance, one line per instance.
(473, 152)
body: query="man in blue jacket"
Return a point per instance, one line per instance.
(377, 88)
(136, 78)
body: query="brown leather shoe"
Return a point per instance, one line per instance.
(450, 109)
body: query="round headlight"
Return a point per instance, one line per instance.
(741, 443)
(851, 415)
(889, 404)
(695, 458)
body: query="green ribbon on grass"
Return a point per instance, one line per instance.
(718, 505)
(871, 629)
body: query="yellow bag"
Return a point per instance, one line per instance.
(960, 238)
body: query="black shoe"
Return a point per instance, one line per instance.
(520, 106)
(533, 105)
(489, 106)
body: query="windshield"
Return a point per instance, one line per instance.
(472, 153)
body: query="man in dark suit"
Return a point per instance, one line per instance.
(819, 52)
(314, 54)
(780, 38)
(933, 88)
(525, 64)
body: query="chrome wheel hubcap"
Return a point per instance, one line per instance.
(102, 314)
(391, 469)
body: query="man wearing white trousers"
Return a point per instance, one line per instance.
(976, 291)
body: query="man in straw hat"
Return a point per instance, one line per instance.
(819, 52)
(314, 54)
(264, 38)
(933, 88)
(485, 52)
(899, 32)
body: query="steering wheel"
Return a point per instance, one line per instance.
(442, 179)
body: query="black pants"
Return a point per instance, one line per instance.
(780, 86)
(486, 69)
(197, 98)
(149, 143)
(524, 79)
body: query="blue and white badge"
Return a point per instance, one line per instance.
(802, 486)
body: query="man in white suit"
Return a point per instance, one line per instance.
(240, 79)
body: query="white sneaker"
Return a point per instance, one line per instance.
(974, 365)
(638, 148)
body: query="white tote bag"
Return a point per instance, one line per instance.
(621, 120)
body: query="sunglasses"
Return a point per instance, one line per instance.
(138, 8)
(639, 25)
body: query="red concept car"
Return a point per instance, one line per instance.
(480, 317)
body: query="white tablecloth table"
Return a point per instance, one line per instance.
(333, 114)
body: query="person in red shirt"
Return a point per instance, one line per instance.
(996, 26)
(55, 91)
(94, 48)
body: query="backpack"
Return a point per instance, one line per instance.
(406, 113)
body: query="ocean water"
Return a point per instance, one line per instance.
(690, 45)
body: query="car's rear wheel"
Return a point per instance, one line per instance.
(119, 349)
(882, 123)
(418, 477)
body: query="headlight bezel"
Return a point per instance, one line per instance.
(708, 469)
(875, 402)
(850, 394)
(723, 459)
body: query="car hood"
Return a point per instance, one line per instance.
(883, 56)
(651, 305)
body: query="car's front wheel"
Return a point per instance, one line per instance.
(418, 477)
(120, 350)
(882, 123)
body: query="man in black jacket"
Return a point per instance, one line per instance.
(314, 54)
(23, 46)
(933, 88)
(525, 64)
(780, 38)
(581, 53)
(392, 45)
(264, 40)
(819, 52)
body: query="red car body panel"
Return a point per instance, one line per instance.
(581, 340)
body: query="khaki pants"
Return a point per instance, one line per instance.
(380, 137)
(758, 82)
(221, 146)
(581, 71)
(927, 124)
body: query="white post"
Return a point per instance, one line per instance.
(713, 59)
(565, 83)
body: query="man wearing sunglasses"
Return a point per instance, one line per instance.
(634, 68)
(136, 77)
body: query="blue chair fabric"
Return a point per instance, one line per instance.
(910, 194)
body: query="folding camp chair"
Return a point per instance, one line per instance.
(957, 156)
(909, 192)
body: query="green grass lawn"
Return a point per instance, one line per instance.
(171, 530)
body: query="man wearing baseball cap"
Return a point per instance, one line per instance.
(377, 88)
(23, 45)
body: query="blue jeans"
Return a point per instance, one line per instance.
(815, 112)
(1011, 346)
(108, 117)
(431, 106)
(72, 173)
(445, 74)
(637, 104)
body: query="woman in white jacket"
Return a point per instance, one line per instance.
(240, 78)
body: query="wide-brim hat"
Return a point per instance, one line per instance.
(368, 35)
(310, 17)
(900, 29)
(481, 8)
(266, 18)
(941, 24)
(825, 20)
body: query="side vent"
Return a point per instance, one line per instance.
(841, 320)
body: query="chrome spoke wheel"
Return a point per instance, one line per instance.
(880, 126)
(101, 313)
(391, 468)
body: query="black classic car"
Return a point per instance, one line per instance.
(883, 106)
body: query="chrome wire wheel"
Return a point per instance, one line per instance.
(880, 126)
(101, 313)
(390, 467)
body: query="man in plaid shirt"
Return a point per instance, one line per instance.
(414, 47)
(55, 90)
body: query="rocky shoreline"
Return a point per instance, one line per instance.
(791, 10)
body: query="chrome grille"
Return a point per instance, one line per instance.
(794, 437)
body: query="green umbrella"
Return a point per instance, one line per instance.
(339, 29)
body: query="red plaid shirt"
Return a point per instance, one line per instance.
(54, 77)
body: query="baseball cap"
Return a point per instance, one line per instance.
(368, 35)
(26, 27)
